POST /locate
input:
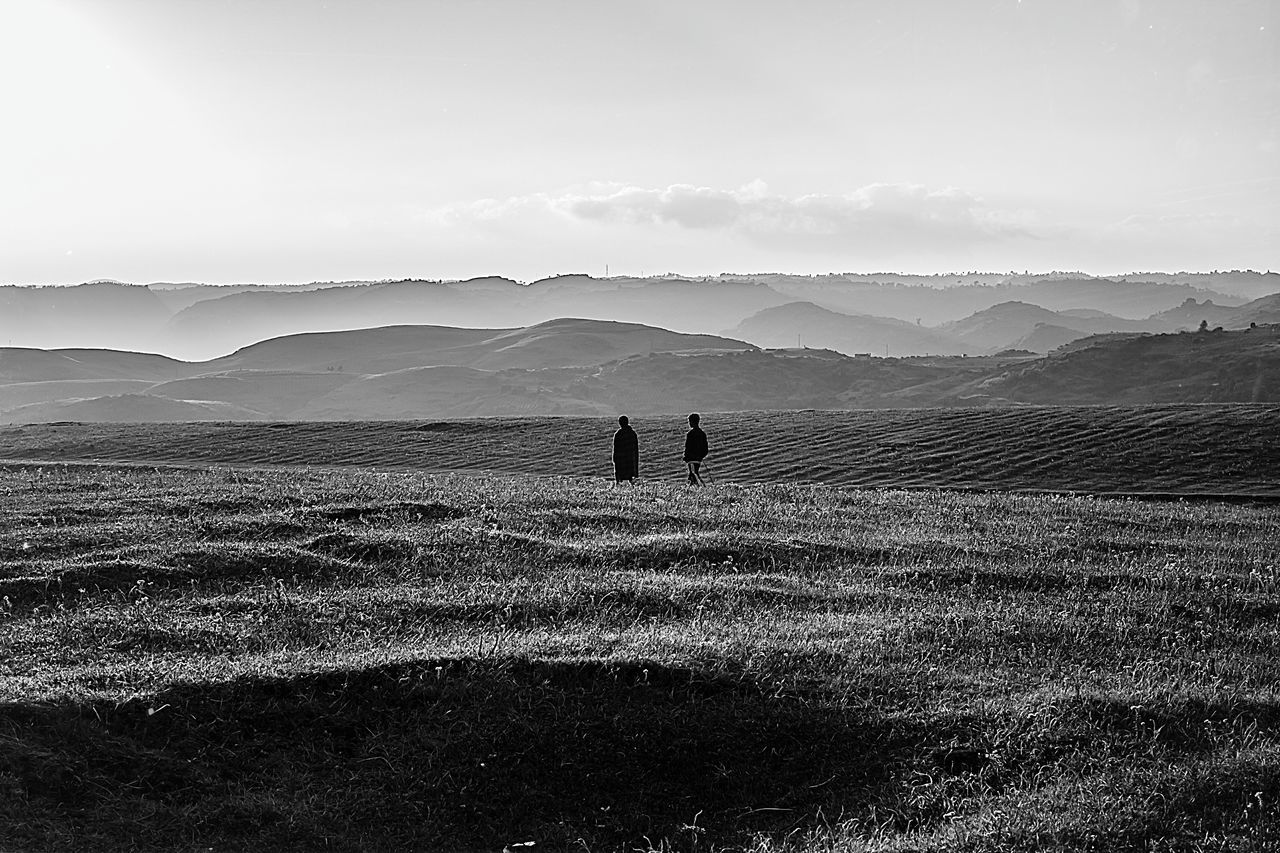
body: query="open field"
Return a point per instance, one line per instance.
(1173, 449)
(354, 660)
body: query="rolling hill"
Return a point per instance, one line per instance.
(1208, 367)
(198, 321)
(591, 367)
(562, 342)
(24, 364)
(1012, 325)
(1188, 315)
(218, 325)
(943, 298)
(97, 314)
(807, 324)
(129, 408)
(399, 371)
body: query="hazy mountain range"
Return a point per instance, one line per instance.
(882, 314)
(593, 367)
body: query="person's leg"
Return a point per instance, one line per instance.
(694, 479)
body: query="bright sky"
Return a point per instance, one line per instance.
(298, 140)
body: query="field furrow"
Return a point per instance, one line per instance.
(1229, 449)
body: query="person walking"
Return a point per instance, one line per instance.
(695, 449)
(626, 453)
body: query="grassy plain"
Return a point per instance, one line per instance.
(358, 660)
(1171, 449)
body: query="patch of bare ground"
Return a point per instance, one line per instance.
(360, 660)
(1216, 450)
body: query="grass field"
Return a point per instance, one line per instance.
(1172, 449)
(195, 659)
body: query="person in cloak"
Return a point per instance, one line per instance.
(626, 453)
(695, 450)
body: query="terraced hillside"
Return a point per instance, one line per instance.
(1200, 449)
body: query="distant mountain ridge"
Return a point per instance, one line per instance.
(579, 366)
(194, 321)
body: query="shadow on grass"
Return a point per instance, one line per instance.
(460, 754)
(447, 754)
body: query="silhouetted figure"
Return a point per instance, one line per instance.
(695, 449)
(626, 452)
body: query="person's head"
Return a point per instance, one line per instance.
(622, 420)
(693, 420)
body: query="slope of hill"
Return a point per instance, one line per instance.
(938, 299)
(451, 392)
(592, 367)
(197, 321)
(215, 326)
(23, 364)
(219, 325)
(1045, 338)
(128, 408)
(14, 394)
(98, 314)
(1189, 315)
(703, 306)
(555, 343)
(814, 326)
(1011, 325)
(1264, 310)
(177, 296)
(265, 393)
(1209, 367)
(1247, 284)
(393, 372)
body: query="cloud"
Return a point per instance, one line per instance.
(899, 213)
(878, 216)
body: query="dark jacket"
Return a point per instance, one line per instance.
(695, 445)
(626, 454)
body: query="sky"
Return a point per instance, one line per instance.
(298, 140)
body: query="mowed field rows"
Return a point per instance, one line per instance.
(1187, 449)
(349, 660)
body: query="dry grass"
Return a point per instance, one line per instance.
(352, 660)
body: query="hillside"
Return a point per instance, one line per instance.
(370, 373)
(219, 325)
(810, 325)
(938, 299)
(1193, 367)
(1045, 338)
(565, 342)
(129, 408)
(198, 321)
(22, 364)
(587, 367)
(1011, 325)
(97, 314)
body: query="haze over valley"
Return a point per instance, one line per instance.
(733, 343)
(905, 315)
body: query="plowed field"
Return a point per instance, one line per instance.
(1211, 450)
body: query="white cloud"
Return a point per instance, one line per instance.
(878, 216)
